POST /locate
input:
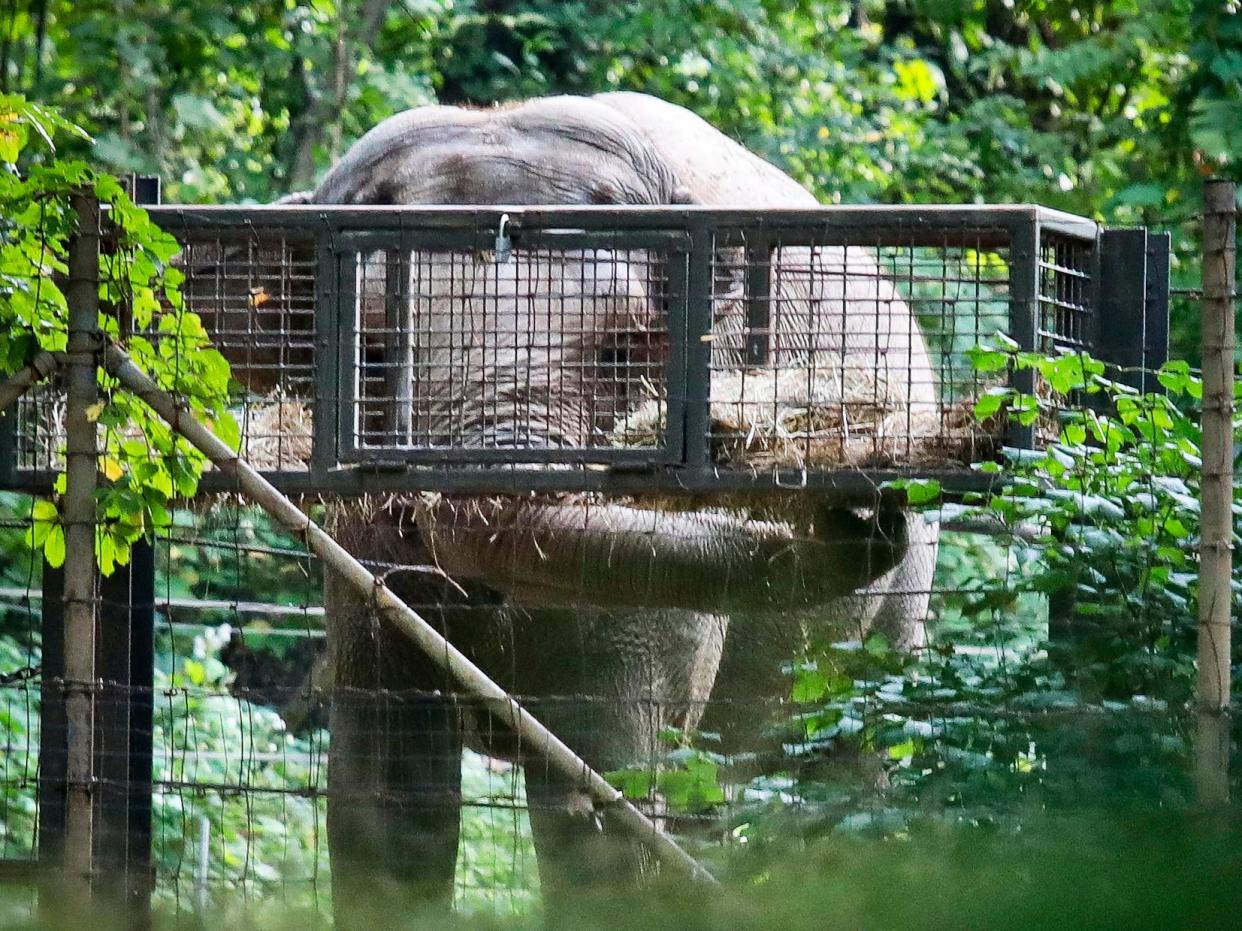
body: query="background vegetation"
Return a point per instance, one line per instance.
(1114, 109)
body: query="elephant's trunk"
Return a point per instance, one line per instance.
(617, 556)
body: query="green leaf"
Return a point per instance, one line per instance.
(44, 510)
(54, 546)
(632, 783)
(902, 751)
(227, 429)
(877, 645)
(990, 403)
(922, 491)
(985, 360)
(810, 685)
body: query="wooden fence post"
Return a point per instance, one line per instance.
(78, 516)
(1216, 501)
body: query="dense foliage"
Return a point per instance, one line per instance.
(146, 464)
(1061, 667)
(1096, 526)
(1099, 107)
(1114, 109)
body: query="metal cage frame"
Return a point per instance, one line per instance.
(1111, 299)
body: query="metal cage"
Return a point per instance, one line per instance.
(624, 350)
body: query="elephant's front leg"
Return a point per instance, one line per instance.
(579, 857)
(618, 678)
(394, 774)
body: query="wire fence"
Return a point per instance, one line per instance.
(664, 626)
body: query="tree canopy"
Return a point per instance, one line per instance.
(1111, 108)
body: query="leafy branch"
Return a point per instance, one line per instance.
(145, 466)
(983, 711)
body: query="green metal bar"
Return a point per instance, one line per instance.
(1023, 316)
(393, 477)
(698, 375)
(1121, 312)
(678, 285)
(758, 299)
(1156, 322)
(328, 329)
(882, 224)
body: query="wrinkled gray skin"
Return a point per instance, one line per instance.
(608, 602)
(716, 170)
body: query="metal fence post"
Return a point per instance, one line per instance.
(123, 750)
(1220, 206)
(125, 711)
(97, 707)
(1024, 316)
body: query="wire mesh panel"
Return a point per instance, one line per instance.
(241, 755)
(850, 356)
(38, 425)
(1067, 284)
(243, 699)
(255, 290)
(543, 349)
(829, 349)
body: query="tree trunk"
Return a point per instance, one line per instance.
(322, 117)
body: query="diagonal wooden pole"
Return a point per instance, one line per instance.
(40, 367)
(533, 735)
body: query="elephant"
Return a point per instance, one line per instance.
(716, 170)
(610, 618)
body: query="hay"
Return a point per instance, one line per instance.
(793, 418)
(277, 433)
(760, 419)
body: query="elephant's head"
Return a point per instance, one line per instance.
(548, 350)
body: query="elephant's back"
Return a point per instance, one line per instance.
(715, 169)
(547, 151)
